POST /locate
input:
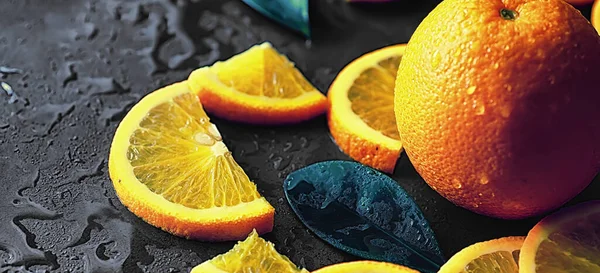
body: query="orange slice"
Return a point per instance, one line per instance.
(498, 256)
(252, 255)
(361, 114)
(567, 241)
(169, 166)
(595, 17)
(365, 267)
(258, 86)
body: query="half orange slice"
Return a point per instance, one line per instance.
(361, 114)
(258, 86)
(170, 167)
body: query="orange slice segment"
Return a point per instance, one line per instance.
(252, 255)
(365, 267)
(170, 167)
(567, 242)
(258, 86)
(499, 256)
(361, 114)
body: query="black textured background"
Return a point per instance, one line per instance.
(85, 63)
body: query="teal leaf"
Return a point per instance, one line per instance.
(291, 13)
(363, 212)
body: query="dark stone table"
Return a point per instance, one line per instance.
(85, 63)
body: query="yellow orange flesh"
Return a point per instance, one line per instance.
(177, 153)
(372, 96)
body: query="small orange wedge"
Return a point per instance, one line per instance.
(361, 114)
(169, 166)
(365, 267)
(498, 256)
(258, 86)
(567, 241)
(253, 255)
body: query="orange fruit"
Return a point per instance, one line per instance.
(495, 120)
(365, 267)
(499, 256)
(258, 86)
(595, 17)
(252, 255)
(361, 114)
(567, 241)
(169, 166)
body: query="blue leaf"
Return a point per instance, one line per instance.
(363, 212)
(292, 13)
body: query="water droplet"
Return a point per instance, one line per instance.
(505, 111)
(552, 80)
(437, 59)
(7, 88)
(212, 129)
(479, 109)
(484, 180)
(456, 183)
(204, 139)
(457, 53)
(471, 90)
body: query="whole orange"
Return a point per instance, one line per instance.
(498, 104)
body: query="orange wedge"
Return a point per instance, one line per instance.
(498, 256)
(258, 86)
(595, 18)
(169, 166)
(365, 267)
(567, 241)
(361, 114)
(252, 255)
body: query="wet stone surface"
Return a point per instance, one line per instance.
(80, 65)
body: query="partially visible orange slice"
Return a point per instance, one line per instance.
(498, 256)
(169, 166)
(258, 86)
(595, 18)
(253, 255)
(361, 114)
(365, 267)
(567, 241)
